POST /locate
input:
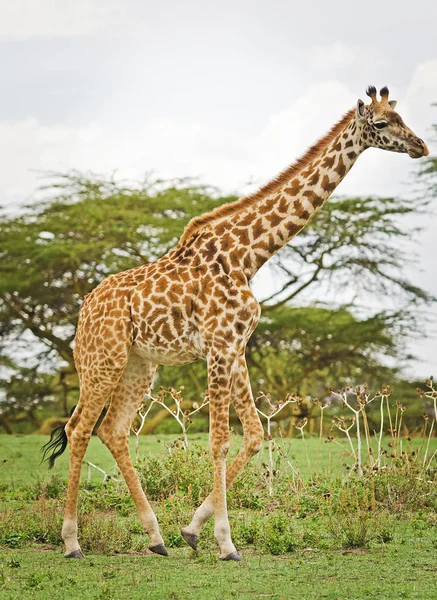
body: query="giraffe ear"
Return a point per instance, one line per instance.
(360, 110)
(392, 103)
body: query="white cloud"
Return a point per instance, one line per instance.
(288, 133)
(332, 55)
(24, 19)
(28, 147)
(422, 92)
(220, 157)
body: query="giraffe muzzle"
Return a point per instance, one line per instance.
(417, 149)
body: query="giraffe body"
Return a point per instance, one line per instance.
(196, 303)
(168, 316)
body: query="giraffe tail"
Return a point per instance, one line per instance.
(56, 445)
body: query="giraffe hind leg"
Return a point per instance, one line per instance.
(114, 433)
(100, 367)
(78, 431)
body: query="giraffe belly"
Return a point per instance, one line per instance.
(179, 352)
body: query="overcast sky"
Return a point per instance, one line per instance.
(230, 92)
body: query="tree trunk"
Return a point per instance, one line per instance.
(6, 425)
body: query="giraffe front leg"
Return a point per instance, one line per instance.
(222, 530)
(221, 370)
(244, 405)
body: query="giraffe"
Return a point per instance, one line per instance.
(196, 303)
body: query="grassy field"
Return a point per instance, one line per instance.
(404, 569)
(20, 455)
(329, 534)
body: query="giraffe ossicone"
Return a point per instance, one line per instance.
(196, 303)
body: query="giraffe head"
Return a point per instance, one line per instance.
(382, 127)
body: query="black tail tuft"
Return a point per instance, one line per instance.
(56, 445)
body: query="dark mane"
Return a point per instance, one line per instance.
(247, 201)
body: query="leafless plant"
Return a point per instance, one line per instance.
(431, 393)
(274, 410)
(143, 413)
(383, 395)
(106, 475)
(341, 424)
(322, 407)
(301, 426)
(355, 400)
(181, 416)
(362, 399)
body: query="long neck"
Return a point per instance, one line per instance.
(279, 211)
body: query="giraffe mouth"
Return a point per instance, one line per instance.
(418, 149)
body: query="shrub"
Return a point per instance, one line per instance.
(279, 536)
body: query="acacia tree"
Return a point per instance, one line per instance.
(57, 250)
(427, 174)
(310, 348)
(352, 246)
(23, 392)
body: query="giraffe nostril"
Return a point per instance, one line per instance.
(423, 146)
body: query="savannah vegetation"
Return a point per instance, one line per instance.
(314, 515)
(321, 530)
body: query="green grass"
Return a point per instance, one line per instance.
(405, 568)
(335, 536)
(20, 456)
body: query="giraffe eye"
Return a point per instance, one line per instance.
(380, 124)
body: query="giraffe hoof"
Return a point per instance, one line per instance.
(74, 554)
(190, 538)
(159, 549)
(233, 556)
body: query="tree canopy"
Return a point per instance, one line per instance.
(57, 250)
